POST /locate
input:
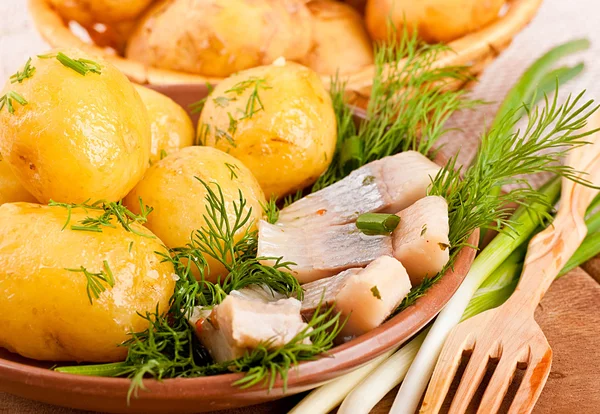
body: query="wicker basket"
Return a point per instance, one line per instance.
(476, 50)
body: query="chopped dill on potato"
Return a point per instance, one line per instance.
(81, 66)
(8, 98)
(96, 281)
(111, 210)
(27, 72)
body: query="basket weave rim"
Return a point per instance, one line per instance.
(476, 50)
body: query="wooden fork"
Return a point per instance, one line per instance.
(509, 333)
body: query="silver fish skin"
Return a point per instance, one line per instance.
(319, 254)
(421, 241)
(364, 297)
(245, 319)
(387, 185)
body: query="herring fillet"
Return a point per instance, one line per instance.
(366, 297)
(421, 241)
(322, 253)
(246, 319)
(387, 185)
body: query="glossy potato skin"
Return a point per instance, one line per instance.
(341, 42)
(88, 12)
(171, 127)
(178, 198)
(218, 38)
(45, 312)
(435, 20)
(11, 189)
(289, 143)
(79, 137)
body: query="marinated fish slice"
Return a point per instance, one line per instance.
(246, 319)
(323, 253)
(366, 297)
(387, 185)
(421, 239)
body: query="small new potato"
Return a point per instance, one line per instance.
(170, 186)
(220, 38)
(341, 44)
(11, 189)
(78, 137)
(171, 127)
(45, 311)
(278, 120)
(434, 20)
(88, 12)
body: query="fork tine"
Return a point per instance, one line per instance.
(442, 377)
(471, 379)
(532, 384)
(498, 386)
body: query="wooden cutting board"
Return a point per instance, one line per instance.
(570, 318)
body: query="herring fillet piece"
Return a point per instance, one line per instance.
(365, 296)
(387, 185)
(245, 319)
(421, 241)
(322, 253)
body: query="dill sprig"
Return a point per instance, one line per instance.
(81, 66)
(254, 103)
(503, 158)
(271, 210)
(410, 101)
(96, 281)
(111, 210)
(27, 72)
(8, 98)
(196, 107)
(232, 170)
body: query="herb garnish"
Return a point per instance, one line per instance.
(232, 169)
(81, 66)
(110, 210)
(8, 98)
(27, 72)
(96, 281)
(375, 292)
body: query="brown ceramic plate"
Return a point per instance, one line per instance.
(34, 380)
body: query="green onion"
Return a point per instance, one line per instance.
(373, 224)
(8, 98)
(114, 369)
(81, 66)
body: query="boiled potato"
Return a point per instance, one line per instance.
(342, 44)
(171, 127)
(79, 137)
(278, 120)
(11, 189)
(178, 198)
(45, 311)
(88, 12)
(435, 20)
(220, 38)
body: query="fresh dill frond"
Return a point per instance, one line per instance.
(271, 210)
(110, 210)
(196, 107)
(27, 72)
(232, 170)
(503, 158)
(81, 66)
(292, 198)
(163, 154)
(8, 98)
(96, 281)
(410, 101)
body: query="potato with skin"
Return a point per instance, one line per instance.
(88, 12)
(178, 198)
(434, 20)
(278, 120)
(342, 44)
(79, 137)
(45, 311)
(171, 127)
(220, 38)
(11, 189)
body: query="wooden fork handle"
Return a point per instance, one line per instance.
(547, 254)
